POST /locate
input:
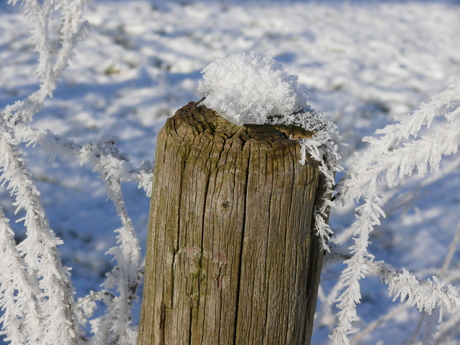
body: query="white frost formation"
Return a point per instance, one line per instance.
(396, 152)
(37, 304)
(248, 88)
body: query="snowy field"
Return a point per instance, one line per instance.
(362, 62)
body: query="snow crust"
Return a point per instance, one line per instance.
(250, 88)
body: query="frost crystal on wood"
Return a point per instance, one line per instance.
(247, 88)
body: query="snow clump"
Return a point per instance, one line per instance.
(247, 88)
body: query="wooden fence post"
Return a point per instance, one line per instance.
(231, 255)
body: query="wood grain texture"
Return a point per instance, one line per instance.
(231, 255)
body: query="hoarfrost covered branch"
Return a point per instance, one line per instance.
(36, 293)
(397, 153)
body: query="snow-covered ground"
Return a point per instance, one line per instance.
(362, 62)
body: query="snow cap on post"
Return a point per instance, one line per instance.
(247, 88)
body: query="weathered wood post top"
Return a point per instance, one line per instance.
(232, 257)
